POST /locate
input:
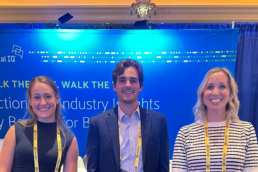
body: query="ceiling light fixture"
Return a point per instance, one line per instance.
(143, 8)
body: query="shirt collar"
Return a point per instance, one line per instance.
(121, 114)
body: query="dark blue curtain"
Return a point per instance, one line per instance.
(247, 72)
(194, 26)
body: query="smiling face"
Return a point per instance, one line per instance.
(216, 93)
(128, 87)
(43, 102)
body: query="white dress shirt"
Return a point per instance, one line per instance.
(129, 128)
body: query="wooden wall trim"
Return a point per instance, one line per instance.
(121, 14)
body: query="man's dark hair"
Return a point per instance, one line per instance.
(122, 65)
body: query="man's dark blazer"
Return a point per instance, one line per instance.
(103, 152)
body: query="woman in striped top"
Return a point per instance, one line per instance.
(218, 140)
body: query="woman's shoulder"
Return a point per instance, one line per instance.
(242, 124)
(67, 131)
(19, 125)
(69, 135)
(245, 123)
(193, 126)
(243, 127)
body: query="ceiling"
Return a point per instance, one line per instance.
(117, 11)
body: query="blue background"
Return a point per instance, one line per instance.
(174, 64)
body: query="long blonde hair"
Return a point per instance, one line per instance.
(33, 117)
(232, 107)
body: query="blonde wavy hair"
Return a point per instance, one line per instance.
(232, 107)
(33, 117)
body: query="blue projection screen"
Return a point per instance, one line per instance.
(81, 63)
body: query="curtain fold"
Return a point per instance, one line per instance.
(247, 72)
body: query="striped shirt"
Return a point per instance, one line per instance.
(129, 128)
(189, 149)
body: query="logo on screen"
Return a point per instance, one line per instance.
(16, 50)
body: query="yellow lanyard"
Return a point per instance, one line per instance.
(138, 149)
(35, 148)
(225, 146)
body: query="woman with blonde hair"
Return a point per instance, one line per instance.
(218, 140)
(42, 143)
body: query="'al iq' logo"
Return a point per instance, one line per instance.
(16, 51)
